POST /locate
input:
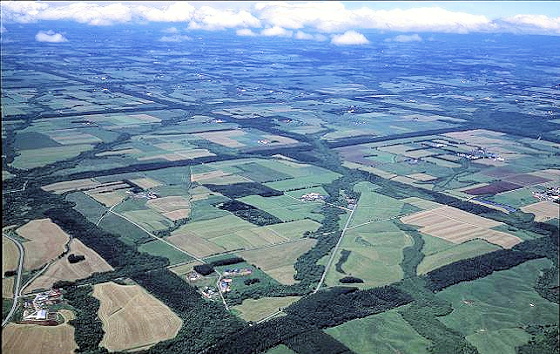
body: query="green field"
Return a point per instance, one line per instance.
(40, 157)
(222, 226)
(295, 229)
(385, 333)
(375, 254)
(504, 300)
(158, 248)
(439, 252)
(373, 206)
(303, 182)
(87, 206)
(280, 349)
(255, 310)
(284, 207)
(127, 232)
(148, 219)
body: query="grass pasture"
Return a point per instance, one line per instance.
(194, 244)
(29, 338)
(278, 260)
(126, 231)
(284, 207)
(148, 219)
(46, 241)
(87, 206)
(28, 159)
(385, 333)
(62, 269)
(162, 249)
(439, 252)
(375, 254)
(255, 310)
(133, 318)
(485, 308)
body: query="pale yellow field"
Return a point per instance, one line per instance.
(30, 338)
(8, 287)
(421, 177)
(132, 318)
(194, 244)
(277, 261)
(10, 255)
(543, 210)
(61, 269)
(255, 310)
(66, 186)
(146, 183)
(46, 242)
(195, 177)
(223, 137)
(109, 198)
(458, 226)
(178, 156)
(167, 204)
(177, 214)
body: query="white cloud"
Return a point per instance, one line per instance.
(210, 18)
(276, 31)
(534, 24)
(245, 32)
(175, 38)
(403, 38)
(50, 37)
(308, 17)
(307, 36)
(3, 29)
(349, 38)
(171, 30)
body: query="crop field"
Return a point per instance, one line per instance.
(439, 252)
(10, 255)
(375, 254)
(255, 310)
(133, 318)
(28, 338)
(162, 249)
(544, 210)
(221, 226)
(74, 185)
(8, 287)
(28, 159)
(278, 260)
(172, 207)
(303, 182)
(126, 231)
(148, 219)
(146, 183)
(385, 333)
(487, 309)
(373, 207)
(284, 207)
(245, 138)
(295, 229)
(62, 269)
(459, 226)
(46, 242)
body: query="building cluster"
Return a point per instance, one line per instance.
(309, 197)
(552, 194)
(37, 310)
(480, 153)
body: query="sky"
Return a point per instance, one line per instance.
(341, 23)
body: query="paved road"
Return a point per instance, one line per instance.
(333, 254)
(18, 280)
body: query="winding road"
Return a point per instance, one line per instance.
(17, 284)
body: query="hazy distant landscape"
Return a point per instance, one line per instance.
(208, 191)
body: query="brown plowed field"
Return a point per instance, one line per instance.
(46, 242)
(64, 270)
(132, 318)
(458, 226)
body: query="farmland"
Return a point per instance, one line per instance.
(62, 269)
(381, 194)
(132, 318)
(9, 255)
(384, 333)
(490, 311)
(46, 241)
(27, 338)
